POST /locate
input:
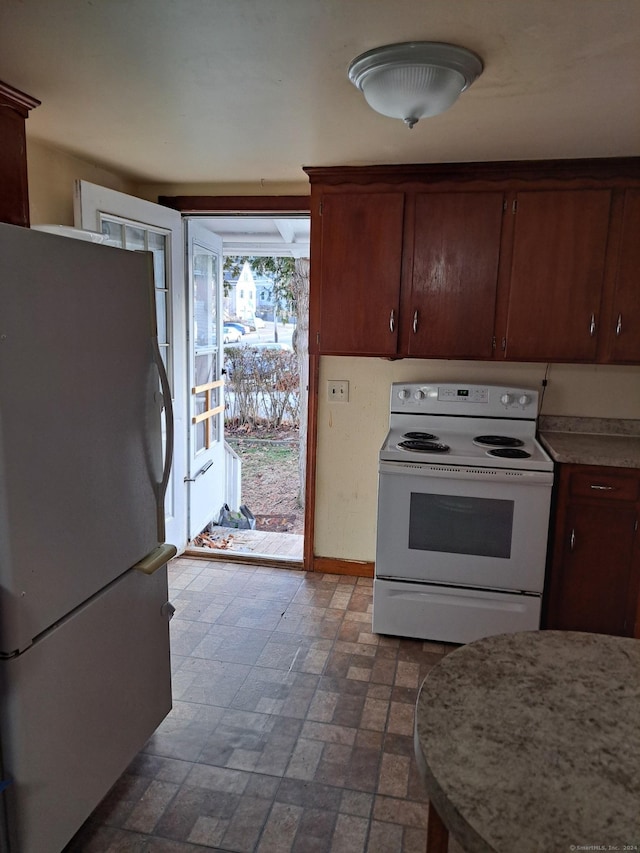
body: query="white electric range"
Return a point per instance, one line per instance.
(463, 513)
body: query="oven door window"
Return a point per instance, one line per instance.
(461, 525)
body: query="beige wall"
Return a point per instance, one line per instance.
(350, 434)
(52, 173)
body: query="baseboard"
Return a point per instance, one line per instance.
(335, 566)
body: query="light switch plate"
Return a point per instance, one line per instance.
(338, 390)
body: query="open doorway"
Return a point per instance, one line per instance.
(265, 311)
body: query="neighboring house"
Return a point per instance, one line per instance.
(240, 301)
(264, 297)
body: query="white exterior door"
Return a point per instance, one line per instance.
(132, 223)
(206, 457)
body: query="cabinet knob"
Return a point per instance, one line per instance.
(415, 321)
(572, 539)
(592, 325)
(602, 488)
(392, 320)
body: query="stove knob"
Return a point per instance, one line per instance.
(404, 394)
(506, 399)
(419, 395)
(524, 400)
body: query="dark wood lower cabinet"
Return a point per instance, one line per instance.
(595, 571)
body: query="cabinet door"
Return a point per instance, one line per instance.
(593, 589)
(360, 279)
(624, 331)
(557, 270)
(455, 274)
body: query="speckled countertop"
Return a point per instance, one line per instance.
(530, 742)
(591, 441)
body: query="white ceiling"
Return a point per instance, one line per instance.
(251, 90)
(287, 236)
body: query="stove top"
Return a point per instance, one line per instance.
(472, 425)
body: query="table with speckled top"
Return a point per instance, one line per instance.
(530, 743)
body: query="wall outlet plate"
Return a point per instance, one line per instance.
(338, 390)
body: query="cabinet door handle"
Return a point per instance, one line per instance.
(392, 320)
(415, 321)
(572, 539)
(602, 488)
(619, 324)
(592, 325)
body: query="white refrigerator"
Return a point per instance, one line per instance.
(84, 610)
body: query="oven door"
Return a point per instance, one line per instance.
(474, 527)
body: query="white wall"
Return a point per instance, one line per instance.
(350, 434)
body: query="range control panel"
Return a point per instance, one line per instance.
(470, 394)
(491, 401)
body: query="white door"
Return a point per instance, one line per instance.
(133, 223)
(206, 458)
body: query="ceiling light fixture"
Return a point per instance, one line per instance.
(414, 80)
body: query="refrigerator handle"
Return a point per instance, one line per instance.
(157, 558)
(168, 457)
(168, 404)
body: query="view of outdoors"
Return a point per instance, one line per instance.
(265, 353)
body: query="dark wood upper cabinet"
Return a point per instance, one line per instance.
(14, 194)
(360, 273)
(518, 261)
(456, 250)
(622, 322)
(557, 271)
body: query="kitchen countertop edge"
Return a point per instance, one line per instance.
(591, 441)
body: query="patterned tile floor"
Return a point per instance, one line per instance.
(291, 730)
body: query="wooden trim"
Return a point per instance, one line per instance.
(17, 100)
(243, 558)
(204, 416)
(215, 204)
(510, 172)
(199, 389)
(335, 566)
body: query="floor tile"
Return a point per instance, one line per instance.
(291, 729)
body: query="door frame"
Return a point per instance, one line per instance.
(283, 204)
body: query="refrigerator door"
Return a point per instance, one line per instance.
(80, 443)
(78, 706)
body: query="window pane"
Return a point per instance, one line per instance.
(134, 238)
(161, 315)
(205, 270)
(461, 525)
(157, 247)
(114, 233)
(205, 368)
